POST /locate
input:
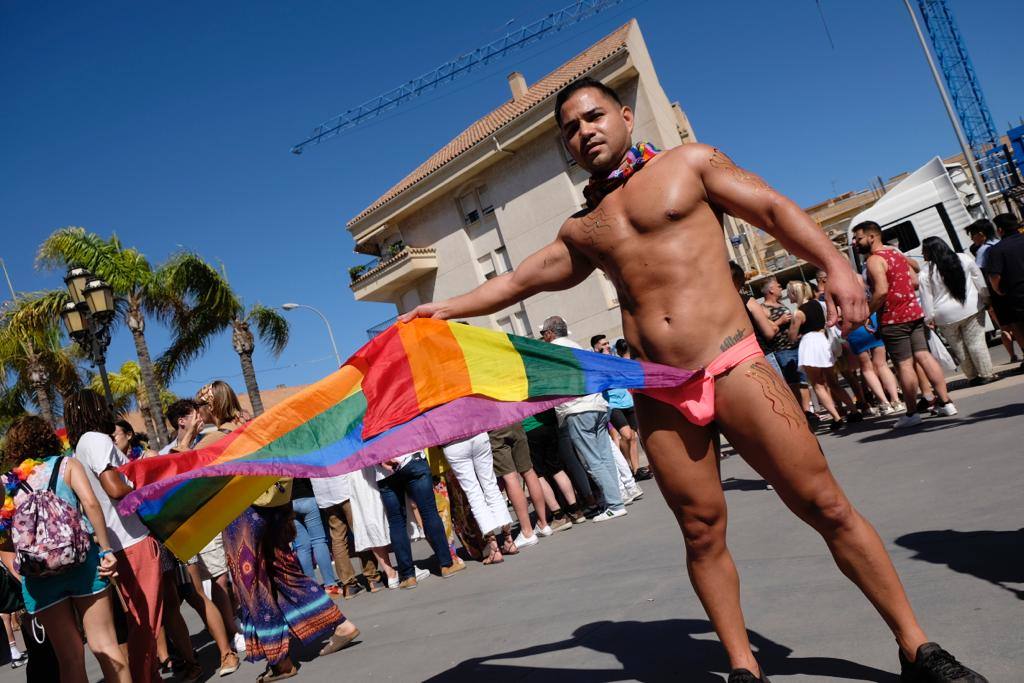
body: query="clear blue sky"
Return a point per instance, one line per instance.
(170, 123)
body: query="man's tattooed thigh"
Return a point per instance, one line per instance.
(775, 391)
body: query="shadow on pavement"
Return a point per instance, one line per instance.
(734, 484)
(934, 424)
(652, 652)
(993, 556)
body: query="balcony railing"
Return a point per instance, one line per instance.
(385, 278)
(380, 327)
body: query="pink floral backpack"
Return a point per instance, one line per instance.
(48, 534)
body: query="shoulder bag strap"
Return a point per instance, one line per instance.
(55, 474)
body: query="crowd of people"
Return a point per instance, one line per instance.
(926, 318)
(274, 573)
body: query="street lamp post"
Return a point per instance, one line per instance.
(330, 332)
(87, 319)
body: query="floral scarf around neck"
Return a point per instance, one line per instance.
(638, 155)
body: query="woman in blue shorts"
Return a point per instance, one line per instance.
(873, 365)
(58, 601)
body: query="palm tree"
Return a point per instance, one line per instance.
(30, 349)
(212, 308)
(143, 289)
(126, 386)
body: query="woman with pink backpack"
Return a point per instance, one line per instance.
(65, 574)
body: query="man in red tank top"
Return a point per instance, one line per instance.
(893, 282)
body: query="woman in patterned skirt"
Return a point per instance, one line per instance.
(277, 600)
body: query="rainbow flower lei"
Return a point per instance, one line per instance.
(11, 482)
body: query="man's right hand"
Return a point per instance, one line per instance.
(435, 310)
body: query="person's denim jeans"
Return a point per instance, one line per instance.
(310, 541)
(589, 434)
(413, 480)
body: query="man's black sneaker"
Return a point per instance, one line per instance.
(836, 425)
(744, 676)
(935, 665)
(923, 405)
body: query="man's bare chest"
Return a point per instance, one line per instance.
(641, 212)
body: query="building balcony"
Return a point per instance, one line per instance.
(384, 278)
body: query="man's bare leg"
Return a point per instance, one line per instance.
(536, 497)
(761, 421)
(684, 460)
(514, 489)
(906, 373)
(933, 371)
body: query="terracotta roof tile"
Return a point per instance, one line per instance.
(487, 126)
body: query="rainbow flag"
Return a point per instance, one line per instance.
(418, 384)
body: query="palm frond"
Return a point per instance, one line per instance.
(206, 306)
(271, 327)
(126, 270)
(35, 314)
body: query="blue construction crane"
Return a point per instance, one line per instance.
(460, 66)
(968, 99)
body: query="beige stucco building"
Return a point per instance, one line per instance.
(501, 190)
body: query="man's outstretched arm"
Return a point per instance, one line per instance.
(555, 267)
(746, 196)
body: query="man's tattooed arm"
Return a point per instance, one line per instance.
(720, 160)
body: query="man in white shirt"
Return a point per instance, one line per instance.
(332, 497)
(585, 419)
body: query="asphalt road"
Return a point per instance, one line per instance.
(612, 602)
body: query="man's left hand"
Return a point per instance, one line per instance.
(845, 292)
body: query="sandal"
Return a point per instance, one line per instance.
(492, 550)
(338, 642)
(228, 664)
(269, 675)
(509, 547)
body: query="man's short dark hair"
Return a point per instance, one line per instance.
(621, 347)
(179, 409)
(585, 82)
(1007, 223)
(596, 338)
(868, 226)
(982, 226)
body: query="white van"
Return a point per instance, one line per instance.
(935, 200)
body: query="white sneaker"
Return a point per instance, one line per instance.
(524, 542)
(239, 643)
(899, 407)
(544, 531)
(947, 410)
(634, 493)
(908, 421)
(610, 514)
(887, 409)
(420, 575)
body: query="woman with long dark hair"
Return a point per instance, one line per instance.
(953, 295)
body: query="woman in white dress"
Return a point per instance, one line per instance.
(816, 354)
(369, 522)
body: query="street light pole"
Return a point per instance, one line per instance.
(330, 332)
(964, 146)
(87, 317)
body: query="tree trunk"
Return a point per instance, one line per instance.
(249, 373)
(244, 343)
(39, 378)
(146, 415)
(45, 408)
(135, 323)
